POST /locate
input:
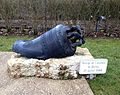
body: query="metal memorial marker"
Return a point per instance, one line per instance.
(93, 66)
(59, 42)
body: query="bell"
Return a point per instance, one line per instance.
(59, 42)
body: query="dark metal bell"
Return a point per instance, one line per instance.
(59, 42)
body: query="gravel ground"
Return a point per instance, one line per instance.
(38, 86)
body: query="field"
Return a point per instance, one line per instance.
(107, 84)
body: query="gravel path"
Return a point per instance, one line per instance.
(38, 86)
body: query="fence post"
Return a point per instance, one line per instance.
(45, 14)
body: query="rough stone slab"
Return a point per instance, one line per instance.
(38, 86)
(63, 68)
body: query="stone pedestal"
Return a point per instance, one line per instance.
(63, 68)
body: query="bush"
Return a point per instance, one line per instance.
(59, 9)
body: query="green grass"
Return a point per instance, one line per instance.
(107, 84)
(6, 42)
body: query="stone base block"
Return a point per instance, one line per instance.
(63, 68)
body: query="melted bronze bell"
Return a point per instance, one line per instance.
(59, 42)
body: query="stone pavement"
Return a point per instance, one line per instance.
(38, 86)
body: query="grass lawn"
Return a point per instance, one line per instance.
(107, 84)
(6, 42)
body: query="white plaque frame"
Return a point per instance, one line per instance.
(93, 66)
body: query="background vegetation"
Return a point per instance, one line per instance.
(41, 15)
(59, 9)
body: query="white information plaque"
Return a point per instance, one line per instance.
(93, 66)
